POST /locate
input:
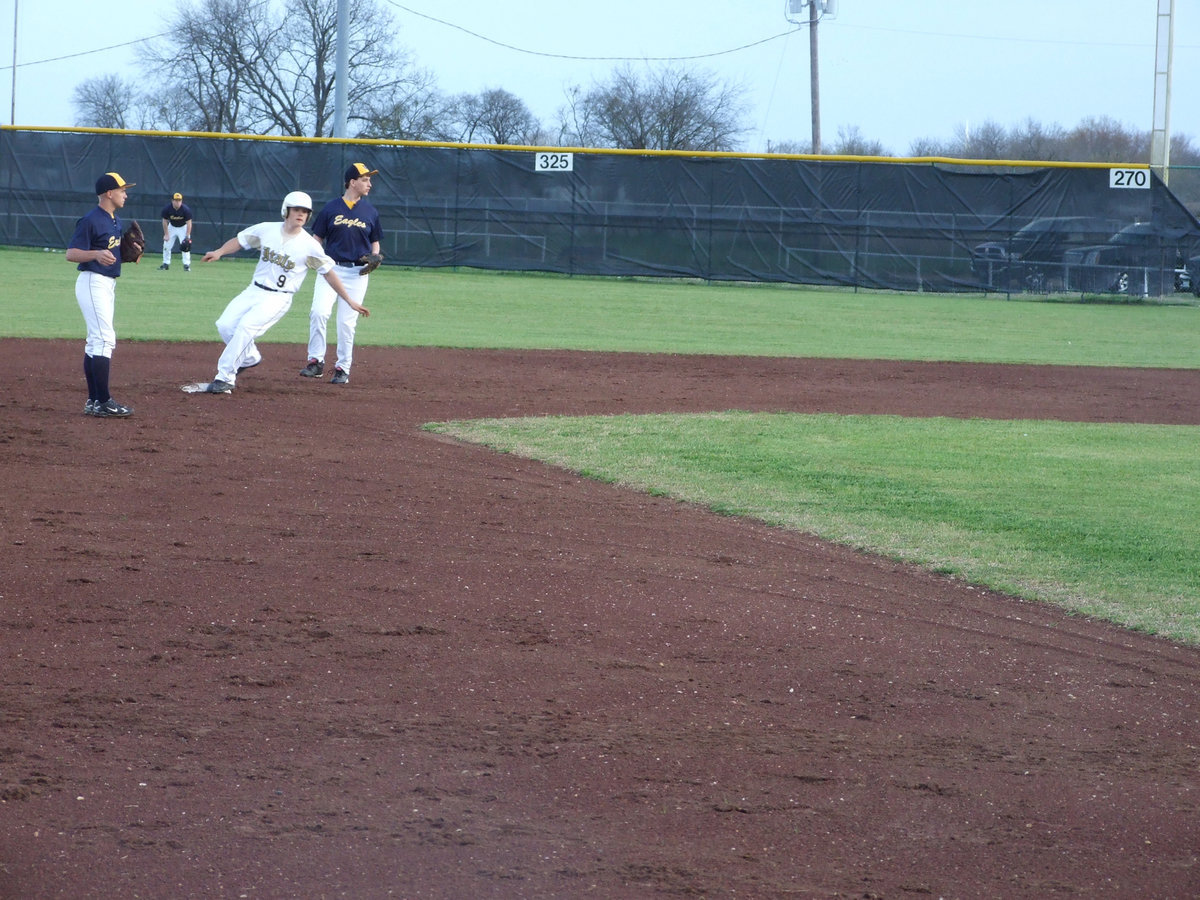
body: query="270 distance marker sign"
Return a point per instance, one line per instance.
(1129, 178)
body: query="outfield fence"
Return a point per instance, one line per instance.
(914, 225)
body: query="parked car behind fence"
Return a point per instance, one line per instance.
(1031, 259)
(1140, 260)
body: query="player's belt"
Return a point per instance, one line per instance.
(272, 290)
(347, 262)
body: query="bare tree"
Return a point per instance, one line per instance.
(412, 111)
(302, 86)
(927, 147)
(495, 117)
(574, 118)
(104, 102)
(1183, 151)
(669, 109)
(268, 67)
(170, 107)
(851, 142)
(1104, 139)
(1035, 141)
(1101, 139)
(987, 141)
(789, 147)
(201, 65)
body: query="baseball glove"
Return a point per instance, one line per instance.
(186, 245)
(370, 262)
(133, 242)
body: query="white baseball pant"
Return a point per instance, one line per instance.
(324, 297)
(97, 295)
(176, 233)
(248, 317)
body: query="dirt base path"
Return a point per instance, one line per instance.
(283, 644)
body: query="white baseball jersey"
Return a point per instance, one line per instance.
(283, 260)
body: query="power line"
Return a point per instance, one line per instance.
(900, 31)
(715, 53)
(38, 62)
(1004, 39)
(484, 37)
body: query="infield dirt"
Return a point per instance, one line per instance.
(285, 644)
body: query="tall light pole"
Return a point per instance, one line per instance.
(814, 76)
(12, 113)
(1160, 134)
(341, 69)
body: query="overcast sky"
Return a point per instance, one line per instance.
(898, 70)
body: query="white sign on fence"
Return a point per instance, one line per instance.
(1129, 178)
(553, 162)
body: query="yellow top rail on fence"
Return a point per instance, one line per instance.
(717, 154)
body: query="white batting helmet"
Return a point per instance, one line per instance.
(297, 199)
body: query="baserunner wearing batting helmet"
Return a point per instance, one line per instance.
(285, 254)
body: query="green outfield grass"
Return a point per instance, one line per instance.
(1099, 518)
(431, 307)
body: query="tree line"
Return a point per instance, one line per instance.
(242, 66)
(1094, 139)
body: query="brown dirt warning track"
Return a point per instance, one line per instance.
(284, 644)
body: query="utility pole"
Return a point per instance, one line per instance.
(816, 10)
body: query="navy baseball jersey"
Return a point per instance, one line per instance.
(346, 231)
(177, 217)
(98, 230)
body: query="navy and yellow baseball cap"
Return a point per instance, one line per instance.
(358, 170)
(110, 181)
(177, 196)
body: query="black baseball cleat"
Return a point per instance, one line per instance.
(187, 268)
(89, 408)
(111, 409)
(219, 387)
(242, 369)
(163, 267)
(314, 369)
(340, 377)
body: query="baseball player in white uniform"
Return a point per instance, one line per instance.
(285, 254)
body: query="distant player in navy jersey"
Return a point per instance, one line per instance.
(177, 228)
(95, 247)
(348, 228)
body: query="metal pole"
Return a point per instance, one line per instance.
(814, 77)
(1160, 134)
(341, 72)
(12, 113)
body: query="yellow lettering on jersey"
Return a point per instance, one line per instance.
(349, 223)
(280, 259)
